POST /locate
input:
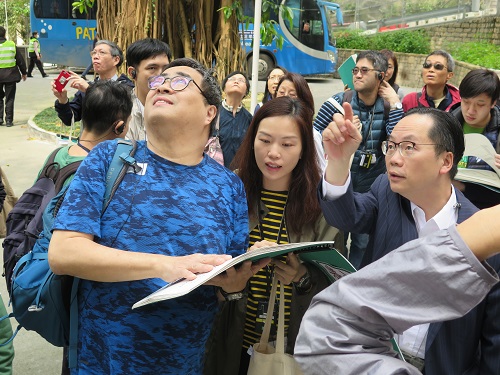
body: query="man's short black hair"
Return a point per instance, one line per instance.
(2, 32)
(105, 103)
(446, 133)
(146, 48)
(480, 81)
(450, 63)
(209, 84)
(247, 82)
(378, 60)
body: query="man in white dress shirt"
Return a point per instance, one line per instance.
(414, 199)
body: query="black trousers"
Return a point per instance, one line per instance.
(34, 61)
(7, 91)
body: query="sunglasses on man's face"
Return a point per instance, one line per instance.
(437, 66)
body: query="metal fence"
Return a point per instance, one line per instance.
(382, 15)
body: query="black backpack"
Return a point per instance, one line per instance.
(24, 222)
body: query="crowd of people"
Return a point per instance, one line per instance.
(382, 174)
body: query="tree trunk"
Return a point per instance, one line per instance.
(192, 28)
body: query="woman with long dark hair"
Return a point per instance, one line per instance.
(392, 72)
(277, 164)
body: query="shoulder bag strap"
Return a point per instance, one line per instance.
(264, 338)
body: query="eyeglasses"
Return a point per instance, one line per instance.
(406, 148)
(177, 83)
(275, 78)
(236, 79)
(437, 66)
(364, 70)
(99, 53)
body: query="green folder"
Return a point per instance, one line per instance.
(345, 71)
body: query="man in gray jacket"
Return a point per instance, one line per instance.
(349, 325)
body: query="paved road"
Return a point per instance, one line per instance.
(22, 157)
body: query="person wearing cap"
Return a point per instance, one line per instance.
(414, 199)
(478, 113)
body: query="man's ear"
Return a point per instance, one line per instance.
(131, 72)
(211, 113)
(119, 127)
(450, 76)
(447, 162)
(116, 60)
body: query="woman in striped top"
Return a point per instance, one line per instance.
(277, 164)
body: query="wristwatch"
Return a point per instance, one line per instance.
(397, 105)
(304, 284)
(231, 296)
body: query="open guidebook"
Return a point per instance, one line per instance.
(321, 254)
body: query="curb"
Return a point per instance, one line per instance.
(35, 132)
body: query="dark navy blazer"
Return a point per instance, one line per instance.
(469, 345)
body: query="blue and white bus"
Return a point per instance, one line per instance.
(65, 35)
(309, 43)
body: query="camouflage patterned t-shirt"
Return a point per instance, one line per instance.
(166, 209)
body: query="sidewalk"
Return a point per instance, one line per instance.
(21, 158)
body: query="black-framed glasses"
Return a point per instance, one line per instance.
(437, 66)
(406, 148)
(177, 83)
(364, 70)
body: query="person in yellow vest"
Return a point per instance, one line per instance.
(12, 66)
(35, 55)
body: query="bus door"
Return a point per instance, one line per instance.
(307, 36)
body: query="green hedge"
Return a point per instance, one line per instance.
(477, 53)
(417, 41)
(406, 41)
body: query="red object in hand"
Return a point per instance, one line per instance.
(62, 80)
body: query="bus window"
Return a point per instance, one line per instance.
(307, 23)
(51, 9)
(60, 9)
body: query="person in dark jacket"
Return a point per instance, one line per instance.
(12, 69)
(234, 118)
(106, 58)
(415, 199)
(478, 113)
(379, 109)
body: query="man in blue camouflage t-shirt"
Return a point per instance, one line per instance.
(174, 218)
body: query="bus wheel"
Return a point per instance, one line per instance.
(266, 65)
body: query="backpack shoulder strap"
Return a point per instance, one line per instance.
(336, 104)
(348, 95)
(64, 173)
(122, 160)
(50, 169)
